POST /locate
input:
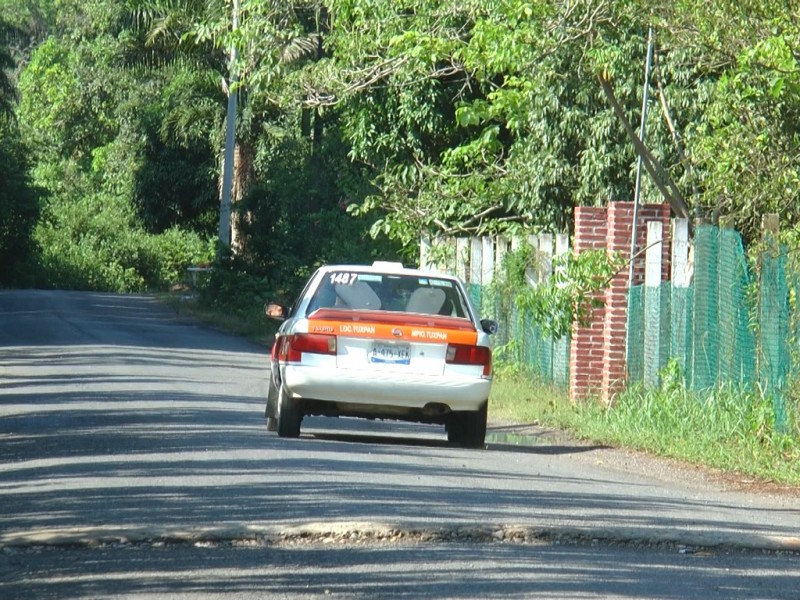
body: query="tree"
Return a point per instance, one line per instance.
(268, 38)
(480, 116)
(19, 208)
(745, 143)
(18, 197)
(87, 116)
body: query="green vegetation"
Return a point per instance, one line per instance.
(372, 117)
(245, 318)
(569, 287)
(731, 430)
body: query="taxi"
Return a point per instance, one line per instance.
(381, 342)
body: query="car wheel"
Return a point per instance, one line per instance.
(468, 428)
(290, 414)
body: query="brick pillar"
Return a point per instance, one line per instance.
(598, 352)
(586, 346)
(615, 325)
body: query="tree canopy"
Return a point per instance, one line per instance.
(391, 118)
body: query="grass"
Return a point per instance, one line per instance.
(728, 429)
(249, 322)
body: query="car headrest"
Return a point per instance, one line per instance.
(426, 300)
(358, 296)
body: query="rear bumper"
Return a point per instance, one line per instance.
(358, 386)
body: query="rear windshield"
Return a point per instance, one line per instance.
(387, 291)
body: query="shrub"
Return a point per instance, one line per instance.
(95, 243)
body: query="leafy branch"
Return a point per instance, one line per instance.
(567, 296)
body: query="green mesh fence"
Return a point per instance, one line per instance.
(656, 333)
(659, 330)
(635, 344)
(680, 338)
(721, 330)
(521, 340)
(536, 351)
(706, 309)
(475, 292)
(775, 355)
(704, 328)
(737, 344)
(561, 363)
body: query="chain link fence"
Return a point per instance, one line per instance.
(731, 326)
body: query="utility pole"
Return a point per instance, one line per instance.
(642, 131)
(230, 140)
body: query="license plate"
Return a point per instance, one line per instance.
(393, 354)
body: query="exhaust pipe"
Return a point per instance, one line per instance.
(435, 409)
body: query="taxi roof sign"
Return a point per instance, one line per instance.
(388, 265)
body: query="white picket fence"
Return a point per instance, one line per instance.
(477, 261)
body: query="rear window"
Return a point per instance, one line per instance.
(390, 292)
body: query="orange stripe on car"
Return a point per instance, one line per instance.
(382, 331)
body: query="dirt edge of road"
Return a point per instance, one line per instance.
(352, 533)
(672, 470)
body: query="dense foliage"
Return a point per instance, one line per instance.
(19, 202)
(371, 116)
(19, 206)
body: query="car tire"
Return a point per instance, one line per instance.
(290, 414)
(468, 428)
(271, 408)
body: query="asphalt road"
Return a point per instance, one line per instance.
(134, 462)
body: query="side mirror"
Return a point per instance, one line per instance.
(490, 326)
(275, 311)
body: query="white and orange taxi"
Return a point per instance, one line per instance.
(382, 342)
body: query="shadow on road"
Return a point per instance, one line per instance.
(515, 442)
(164, 431)
(394, 571)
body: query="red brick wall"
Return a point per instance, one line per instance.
(598, 352)
(586, 346)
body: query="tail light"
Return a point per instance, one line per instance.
(464, 354)
(296, 344)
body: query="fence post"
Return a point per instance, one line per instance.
(475, 272)
(561, 346)
(501, 249)
(462, 258)
(615, 312)
(487, 259)
(424, 252)
(545, 269)
(705, 321)
(586, 345)
(503, 306)
(532, 273)
(487, 275)
(681, 299)
(774, 320)
(654, 323)
(680, 253)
